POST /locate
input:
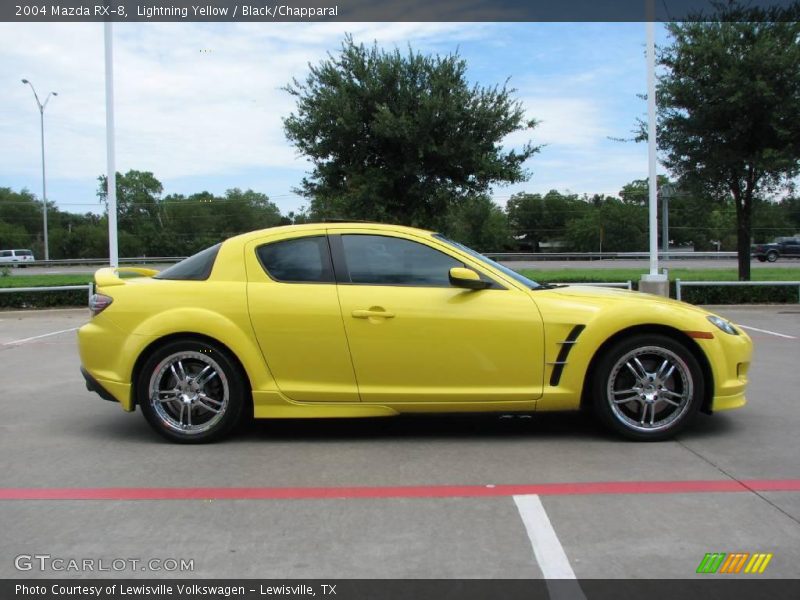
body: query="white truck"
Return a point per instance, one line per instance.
(16, 258)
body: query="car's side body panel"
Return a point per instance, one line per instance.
(299, 331)
(146, 310)
(441, 344)
(445, 350)
(607, 312)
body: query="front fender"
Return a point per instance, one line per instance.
(604, 314)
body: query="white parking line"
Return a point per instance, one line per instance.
(783, 335)
(38, 337)
(547, 548)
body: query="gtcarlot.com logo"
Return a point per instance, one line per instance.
(734, 562)
(47, 562)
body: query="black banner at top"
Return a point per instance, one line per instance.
(392, 10)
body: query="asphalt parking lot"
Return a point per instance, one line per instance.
(404, 498)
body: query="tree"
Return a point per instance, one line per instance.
(535, 218)
(791, 212)
(138, 197)
(480, 224)
(401, 138)
(690, 216)
(638, 190)
(728, 106)
(614, 226)
(201, 220)
(139, 220)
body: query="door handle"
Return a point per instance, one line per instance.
(372, 313)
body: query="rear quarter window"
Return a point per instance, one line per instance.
(194, 268)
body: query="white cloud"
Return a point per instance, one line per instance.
(190, 99)
(563, 122)
(204, 101)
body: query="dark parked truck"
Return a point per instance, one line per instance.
(788, 247)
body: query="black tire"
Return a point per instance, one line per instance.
(761, 258)
(772, 256)
(201, 389)
(653, 399)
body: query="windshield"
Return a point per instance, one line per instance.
(480, 257)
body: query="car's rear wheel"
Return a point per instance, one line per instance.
(191, 391)
(772, 256)
(648, 387)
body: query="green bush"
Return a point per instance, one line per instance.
(766, 294)
(68, 298)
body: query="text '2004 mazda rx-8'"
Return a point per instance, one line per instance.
(367, 320)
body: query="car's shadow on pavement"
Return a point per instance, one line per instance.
(566, 426)
(132, 428)
(477, 426)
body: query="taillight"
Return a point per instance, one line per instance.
(98, 303)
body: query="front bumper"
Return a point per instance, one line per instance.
(730, 362)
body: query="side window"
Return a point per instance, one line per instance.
(5, 253)
(382, 260)
(300, 260)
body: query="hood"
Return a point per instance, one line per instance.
(606, 295)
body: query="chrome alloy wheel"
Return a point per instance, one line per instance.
(649, 389)
(189, 392)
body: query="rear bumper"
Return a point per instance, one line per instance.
(107, 356)
(94, 386)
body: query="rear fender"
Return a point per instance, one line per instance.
(197, 321)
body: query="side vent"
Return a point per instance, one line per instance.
(561, 360)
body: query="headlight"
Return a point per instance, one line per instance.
(723, 324)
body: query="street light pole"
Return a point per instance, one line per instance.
(44, 180)
(652, 282)
(111, 175)
(666, 194)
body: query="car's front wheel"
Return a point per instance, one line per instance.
(772, 256)
(761, 258)
(647, 387)
(191, 391)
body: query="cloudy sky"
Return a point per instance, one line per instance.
(200, 105)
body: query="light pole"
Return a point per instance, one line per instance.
(44, 184)
(667, 192)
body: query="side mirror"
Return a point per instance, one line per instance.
(467, 278)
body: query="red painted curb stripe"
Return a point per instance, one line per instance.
(431, 491)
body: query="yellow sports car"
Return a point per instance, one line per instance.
(367, 320)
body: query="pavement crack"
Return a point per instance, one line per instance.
(737, 480)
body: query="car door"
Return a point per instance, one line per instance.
(294, 311)
(416, 338)
(792, 248)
